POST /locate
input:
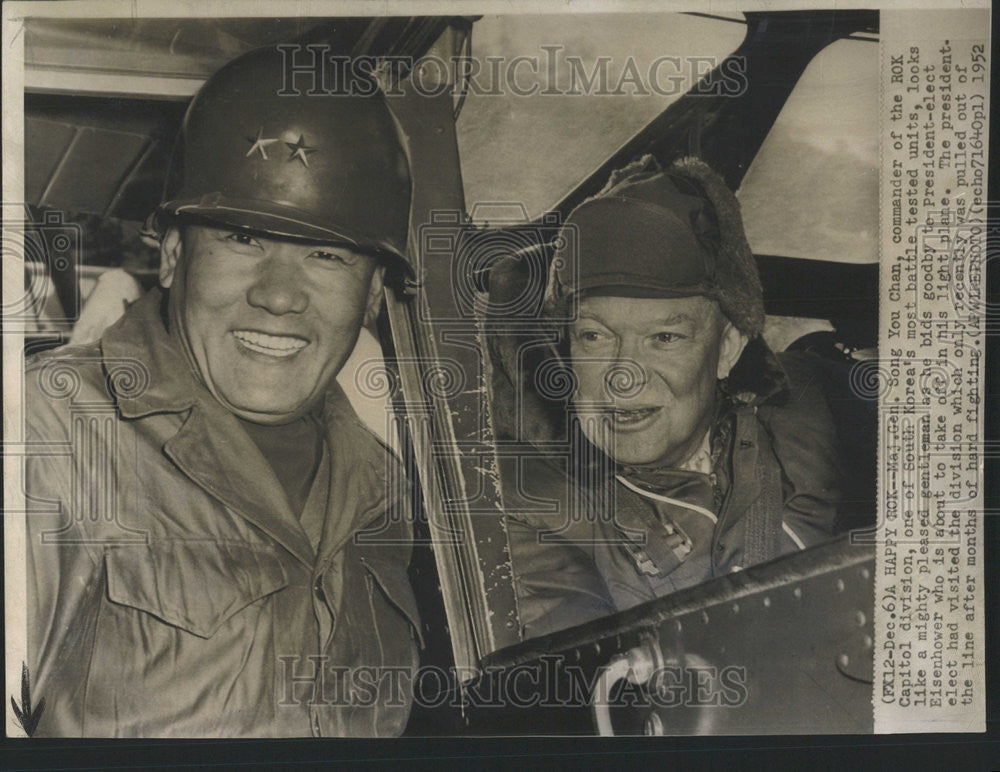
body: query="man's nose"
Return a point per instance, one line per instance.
(626, 375)
(279, 288)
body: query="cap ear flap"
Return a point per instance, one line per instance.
(740, 292)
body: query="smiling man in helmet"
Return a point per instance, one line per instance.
(694, 450)
(219, 552)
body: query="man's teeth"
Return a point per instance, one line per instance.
(274, 345)
(633, 416)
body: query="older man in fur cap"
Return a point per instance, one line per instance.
(692, 450)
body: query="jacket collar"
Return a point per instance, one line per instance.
(757, 377)
(141, 336)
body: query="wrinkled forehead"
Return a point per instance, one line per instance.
(619, 311)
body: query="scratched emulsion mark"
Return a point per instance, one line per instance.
(27, 717)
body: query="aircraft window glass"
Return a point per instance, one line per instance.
(535, 150)
(812, 190)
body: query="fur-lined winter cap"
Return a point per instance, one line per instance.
(654, 233)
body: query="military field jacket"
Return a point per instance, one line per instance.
(171, 591)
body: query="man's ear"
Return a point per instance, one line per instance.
(374, 302)
(730, 350)
(171, 248)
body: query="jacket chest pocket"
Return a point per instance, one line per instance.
(194, 586)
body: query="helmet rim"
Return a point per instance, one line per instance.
(279, 221)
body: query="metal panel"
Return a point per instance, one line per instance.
(441, 364)
(802, 650)
(785, 646)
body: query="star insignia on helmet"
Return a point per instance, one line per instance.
(300, 150)
(258, 143)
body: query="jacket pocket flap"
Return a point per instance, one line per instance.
(195, 586)
(395, 583)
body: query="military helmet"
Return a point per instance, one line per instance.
(259, 153)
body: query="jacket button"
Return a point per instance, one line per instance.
(318, 590)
